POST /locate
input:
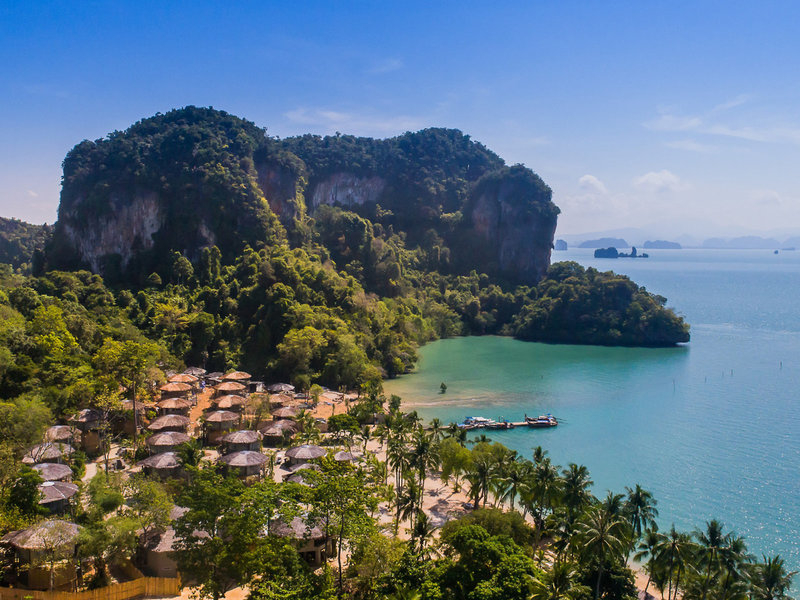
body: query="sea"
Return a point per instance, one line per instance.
(711, 428)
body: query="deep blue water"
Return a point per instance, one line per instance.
(711, 428)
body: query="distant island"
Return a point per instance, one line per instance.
(560, 246)
(614, 253)
(661, 245)
(604, 242)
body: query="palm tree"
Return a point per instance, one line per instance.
(647, 552)
(436, 429)
(612, 504)
(423, 530)
(514, 476)
(479, 479)
(770, 580)
(546, 490)
(733, 559)
(673, 553)
(407, 504)
(539, 454)
(423, 456)
(640, 506)
(711, 541)
(557, 584)
(602, 535)
(575, 493)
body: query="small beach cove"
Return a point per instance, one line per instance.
(709, 428)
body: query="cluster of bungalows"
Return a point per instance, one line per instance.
(213, 412)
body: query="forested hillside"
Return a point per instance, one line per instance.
(223, 247)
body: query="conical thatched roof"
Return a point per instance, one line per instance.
(55, 491)
(87, 415)
(298, 529)
(174, 404)
(245, 458)
(195, 371)
(60, 433)
(236, 376)
(229, 401)
(168, 421)
(183, 378)
(286, 412)
(53, 533)
(222, 416)
(276, 428)
(344, 456)
(244, 436)
(175, 387)
(168, 438)
(306, 452)
(53, 471)
(280, 388)
(230, 387)
(47, 451)
(165, 460)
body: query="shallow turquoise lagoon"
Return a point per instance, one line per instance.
(712, 428)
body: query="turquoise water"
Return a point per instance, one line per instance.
(711, 428)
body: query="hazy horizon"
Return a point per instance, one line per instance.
(677, 119)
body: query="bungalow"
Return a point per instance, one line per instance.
(44, 555)
(310, 541)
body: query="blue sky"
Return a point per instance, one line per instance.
(673, 116)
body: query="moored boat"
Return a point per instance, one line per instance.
(541, 421)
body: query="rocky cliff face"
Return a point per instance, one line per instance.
(128, 226)
(283, 190)
(521, 240)
(347, 190)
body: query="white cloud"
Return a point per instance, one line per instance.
(386, 66)
(732, 103)
(766, 198)
(354, 123)
(669, 122)
(32, 194)
(592, 184)
(660, 181)
(709, 123)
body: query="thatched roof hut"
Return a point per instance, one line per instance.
(47, 452)
(174, 406)
(344, 456)
(195, 371)
(53, 471)
(61, 433)
(244, 439)
(165, 464)
(287, 412)
(230, 402)
(44, 535)
(280, 388)
(166, 441)
(175, 390)
(304, 453)
(169, 423)
(246, 461)
(280, 400)
(276, 431)
(222, 417)
(229, 387)
(239, 376)
(57, 494)
(190, 380)
(87, 419)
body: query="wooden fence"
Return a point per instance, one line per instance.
(143, 587)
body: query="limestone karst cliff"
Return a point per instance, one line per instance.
(197, 177)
